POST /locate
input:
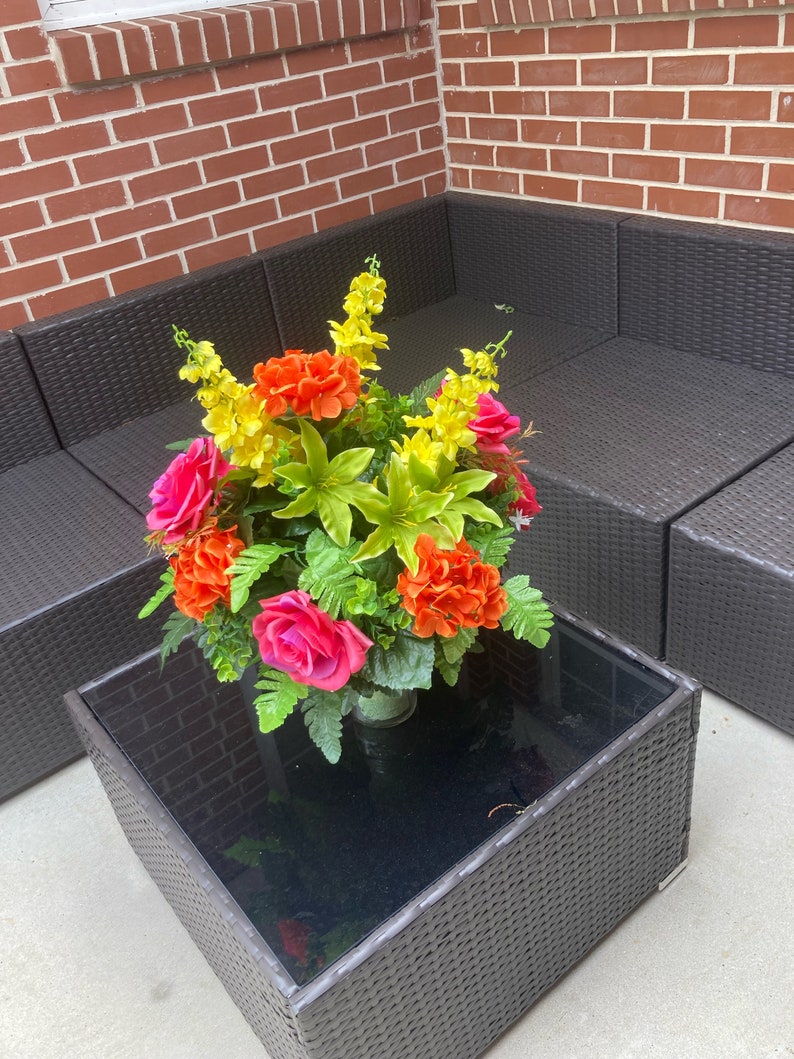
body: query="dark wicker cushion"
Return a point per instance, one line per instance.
(112, 362)
(426, 341)
(77, 573)
(720, 292)
(132, 457)
(730, 619)
(25, 428)
(632, 435)
(558, 261)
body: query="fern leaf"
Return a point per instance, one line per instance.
(420, 393)
(176, 628)
(162, 593)
(279, 695)
(248, 567)
(330, 578)
(527, 615)
(492, 543)
(323, 715)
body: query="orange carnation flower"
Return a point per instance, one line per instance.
(200, 571)
(318, 384)
(451, 590)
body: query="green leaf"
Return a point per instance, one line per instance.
(322, 712)
(450, 652)
(176, 628)
(280, 694)
(249, 566)
(162, 593)
(419, 394)
(493, 544)
(527, 615)
(407, 663)
(329, 577)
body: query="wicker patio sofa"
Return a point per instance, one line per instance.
(655, 358)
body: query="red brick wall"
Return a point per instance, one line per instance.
(141, 151)
(688, 113)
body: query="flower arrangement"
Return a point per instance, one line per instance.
(346, 541)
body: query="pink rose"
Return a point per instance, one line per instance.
(494, 425)
(298, 638)
(526, 506)
(182, 495)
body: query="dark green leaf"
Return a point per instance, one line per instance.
(176, 628)
(407, 663)
(419, 395)
(323, 715)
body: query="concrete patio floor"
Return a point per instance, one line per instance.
(94, 965)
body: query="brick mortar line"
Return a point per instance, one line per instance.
(741, 192)
(275, 198)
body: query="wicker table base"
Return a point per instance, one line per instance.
(476, 941)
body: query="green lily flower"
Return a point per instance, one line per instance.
(458, 485)
(401, 515)
(329, 486)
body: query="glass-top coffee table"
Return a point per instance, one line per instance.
(414, 899)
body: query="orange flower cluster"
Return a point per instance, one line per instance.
(200, 571)
(451, 590)
(318, 384)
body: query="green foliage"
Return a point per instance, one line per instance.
(407, 663)
(493, 543)
(176, 628)
(527, 616)
(329, 577)
(163, 592)
(419, 395)
(249, 566)
(450, 652)
(225, 640)
(322, 713)
(280, 694)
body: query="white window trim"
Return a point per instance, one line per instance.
(70, 14)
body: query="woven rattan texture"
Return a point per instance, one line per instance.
(601, 561)
(211, 918)
(96, 536)
(447, 984)
(489, 948)
(132, 457)
(556, 261)
(731, 601)
(57, 649)
(106, 364)
(724, 293)
(309, 278)
(424, 342)
(624, 448)
(25, 428)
